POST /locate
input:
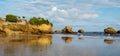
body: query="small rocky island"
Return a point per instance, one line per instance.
(15, 25)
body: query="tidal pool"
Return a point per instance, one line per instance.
(61, 45)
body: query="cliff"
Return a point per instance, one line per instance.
(16, 28)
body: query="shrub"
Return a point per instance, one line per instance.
(39, 21)
(11, 18)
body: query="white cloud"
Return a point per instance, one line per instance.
(60, 19)
(56, 12)
(54, 8)
(89, 16)
(41, 15)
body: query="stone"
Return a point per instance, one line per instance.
(81, 31)
(118, 31)
(67, 29)
(110, 30)
(45, 28)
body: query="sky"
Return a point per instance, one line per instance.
(90, 15)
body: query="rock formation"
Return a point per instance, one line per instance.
(110, 30)
(67, 29)
(118, 31)
(45, 28)
(16, 28)
(81, 31)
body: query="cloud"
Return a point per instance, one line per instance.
(54, 9)
(89, 16)
(60, 19)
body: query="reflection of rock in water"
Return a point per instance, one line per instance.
(41, 44)
(12, 48)
(81, 38)
(9, 51)
(42, 40)
(67, 39)
(35, 42)
(45, 40)
(109, 41)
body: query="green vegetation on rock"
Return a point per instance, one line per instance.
(38, 21)
(11, 18)
(35, 25)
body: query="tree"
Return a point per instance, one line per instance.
(11, 18)
(34, 21)
(23, 17)
(39, 21)
(19, 17)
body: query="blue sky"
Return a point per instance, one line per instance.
(90, 15)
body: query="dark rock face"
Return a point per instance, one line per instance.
(67, 29)
(118, 31)
(81, 31)
(110, 30)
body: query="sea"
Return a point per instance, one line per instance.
(58, 44)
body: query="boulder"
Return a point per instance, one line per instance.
(110, 30)
(45, 28)
(81, 31)
(118, 31)
(67, 29)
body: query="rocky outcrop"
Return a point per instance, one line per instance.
(67, 29)
(81, 31)
(110, 30)
(57, 31)
(118, 31)
(45, 28)
(16, 29)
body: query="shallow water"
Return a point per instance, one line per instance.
(62, 45)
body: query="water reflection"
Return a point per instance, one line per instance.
(9, 50)
(80, 38)
(44, 40)
(67, 39)
(43, 46)
(33, 45)
(109, 41)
